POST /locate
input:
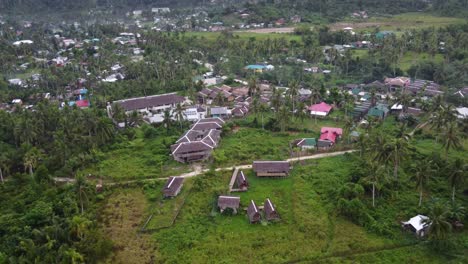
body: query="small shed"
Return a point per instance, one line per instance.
(270, 210)
(231, 202)
(417, 225)
(173, 186)
(271, 168)
(241, 181)
(253, 213)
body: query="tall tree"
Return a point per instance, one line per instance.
(457, 175)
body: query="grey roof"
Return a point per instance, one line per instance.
(219, 111)
(241, 179)
(271, 166)
(150, 101)
(270, 210)
(253, 212)
(228, 202)
(172, 186)
(324, 143)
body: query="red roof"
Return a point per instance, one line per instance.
(322, 107)
(330, 133)
(82, 103)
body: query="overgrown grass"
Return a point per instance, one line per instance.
(138, 159)
(310, 229)
(121, 218)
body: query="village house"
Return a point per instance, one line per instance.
(194, 114)
(305, 143)
(271, 168)
(428, 88)
(241, 181)
(270, 211)
(397, 82)
(321, 109)
(253, 213)
(329, 137)
(380, 111)
(240, 110)
(361, 110)
(221, 112)
(172, 187)
(152, 106)
(198, 143)
(231, 202)
(416, 225)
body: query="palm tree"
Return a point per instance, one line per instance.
(30, 159)
(4, 165)
(302, 113)
(104, 130)
(263, 109)
(179, 114)
(457, 175)
(450, 137)
(80, 188)
(167, 119)
(292, 92)
(439, 226)
(348, 101)
(375, 173)
(314, 95)
(398, 149)
(283, 117)
(421, 174)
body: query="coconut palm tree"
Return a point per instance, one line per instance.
(450, 137)
(293, 92)
(4, 165)
(422, 171)
(439, 226)
(398, 149)
(262, 110)
(457, 175)
(375, 172)
(283, 117)
(167, 119)
(30, 159)
(179, 114)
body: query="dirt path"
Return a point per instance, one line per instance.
(198, 169)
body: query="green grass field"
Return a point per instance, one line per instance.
(310, 231)
(401, 22)
(212, 36)
(138, 159)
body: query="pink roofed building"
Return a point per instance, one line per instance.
(330, 133)
(82, 103)
(322, 109)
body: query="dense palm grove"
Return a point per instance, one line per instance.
(44, 221)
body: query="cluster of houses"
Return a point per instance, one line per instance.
(329, 136)
(239, 181)
(199, 141)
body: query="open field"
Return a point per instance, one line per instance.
(212, 36)
(399, 22)
(309, 230)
